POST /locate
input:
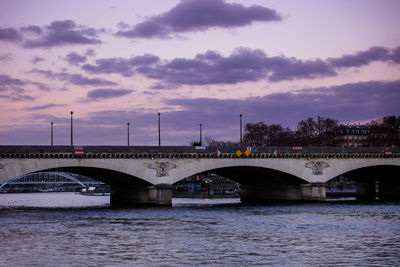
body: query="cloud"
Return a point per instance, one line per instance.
(395, 55)
(123, 25)
(47, 106)
(18, 97)
(120, 65)
(60, 33)
(242, 65)
(32, 29)
(194, 15)
(360, 58)
(9, 35)
(37, 59)
(290, 69)
(220, 117)
(12, 89)
(211, 67)
(6, 80)
(347, 102)
(110, 65)
(107, 93)
(6, 57)
(74, 58)
(90, 52)
(76, 79)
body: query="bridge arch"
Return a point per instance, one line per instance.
(60, 174)
(110, 171)
(253, 175)
(259, 168)
(107, 176)
(355, 166)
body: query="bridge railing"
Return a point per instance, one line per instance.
(65, 152)
(191, 149)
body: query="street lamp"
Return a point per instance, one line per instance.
(241, 138)
(51, 123)
(200, 134)
(127, 124)
(159, 130)
(72, 129)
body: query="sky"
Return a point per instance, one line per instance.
(194, 61)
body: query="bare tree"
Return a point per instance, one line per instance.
(255, 134)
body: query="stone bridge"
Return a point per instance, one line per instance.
(144, 175)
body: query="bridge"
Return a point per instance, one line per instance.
(48, 178)
(145, 175)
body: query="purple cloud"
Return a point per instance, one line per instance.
(6, 57)
(241, 66)
(33, 29)
(193, 15)
(107, 93)
(110, 65)
(347, 102)
(74, 58)
(123, 25)
(6, 80)
(47, 106)
(220, 117)
(395, 55)
(9, 35)
(90, 53)
(76, 79)
(292, 68)
(60, 33)
(360, 58)
(12, 89)
(41, 86)
(37, 59)
(120, 65)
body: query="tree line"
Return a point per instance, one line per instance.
(320, 132)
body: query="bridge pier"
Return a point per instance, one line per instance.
(314, 191)
(365, 190)
(156, 195)
(268, 192)
(389, 190)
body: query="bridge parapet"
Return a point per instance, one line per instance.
(176, 152)
(191, 149)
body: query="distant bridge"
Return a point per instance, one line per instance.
(145, 174)
(48, 178)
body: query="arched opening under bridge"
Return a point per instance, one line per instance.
(48, 182)
(257, 184)
(126, 189)
(380, 181)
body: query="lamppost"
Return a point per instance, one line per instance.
(159, 130)
(127, 124)
(241, 138)
(72, 129)
(51, 123)
(200, 134)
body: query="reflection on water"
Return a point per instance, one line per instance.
(65, 229)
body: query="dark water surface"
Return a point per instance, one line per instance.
(64, 229)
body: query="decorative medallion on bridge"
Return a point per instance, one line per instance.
(162, 168)
(317, 167)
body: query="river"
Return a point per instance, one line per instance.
(65, 229)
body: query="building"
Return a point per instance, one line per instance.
(352, 136)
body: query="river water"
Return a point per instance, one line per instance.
(65, 229)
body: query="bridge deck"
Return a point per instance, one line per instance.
(191, 152)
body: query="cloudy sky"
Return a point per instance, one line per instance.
(195, 61)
